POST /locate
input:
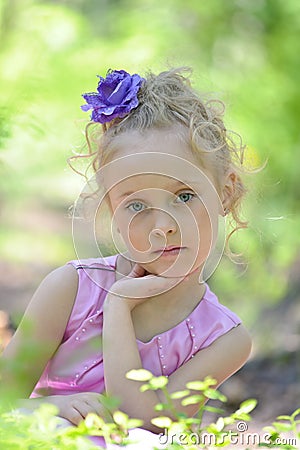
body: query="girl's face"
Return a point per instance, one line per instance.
(164, 205)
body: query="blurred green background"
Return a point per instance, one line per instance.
(244, 51)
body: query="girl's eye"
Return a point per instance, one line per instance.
(136, 206)
(185, 197)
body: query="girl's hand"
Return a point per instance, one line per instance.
(75, 407)
(138, 286)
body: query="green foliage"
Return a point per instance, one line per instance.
(284, 424)
(42, 429)
(50, 52)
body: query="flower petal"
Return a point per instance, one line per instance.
(85, 107)
(93, 99)
(120, 92)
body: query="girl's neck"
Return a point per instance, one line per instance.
(184, 296)
(163, 312)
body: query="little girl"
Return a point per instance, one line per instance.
(168, 171)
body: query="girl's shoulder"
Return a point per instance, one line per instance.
(103, 263)
(211, 319)
(211, 302)
(97, 271)
(95, 277)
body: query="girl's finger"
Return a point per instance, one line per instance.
(73, 415)
(152, 285)
(137, 271)
(82, 407)
(97, 407)
(138, 285)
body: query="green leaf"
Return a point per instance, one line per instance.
(192, 400)
(212, 428)
(139, 375)
(284, 418)
(161, 406)
(213, 409)
(281, 426)
(196, 385)
(274, 435)
(145, 387)
(120, 418)
(180, 394)
(295, 413)
(158, 382)
(248, 405)
(134, 423)
(93, 420)
(215, 395)
(220, 424)
(201, 385)
(229, 420)
(162, 422)
(241, 416)
(190, 420)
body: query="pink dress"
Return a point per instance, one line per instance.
(77, 365)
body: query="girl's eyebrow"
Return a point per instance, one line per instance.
(187, 183)
(191, 182)
(126, 194)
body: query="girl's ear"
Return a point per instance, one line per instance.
(228, 192)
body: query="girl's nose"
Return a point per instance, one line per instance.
(164, 224)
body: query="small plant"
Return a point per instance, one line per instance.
(284, 424)
(189, 432)
(42, 428)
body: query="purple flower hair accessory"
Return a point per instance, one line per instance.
(116, 96)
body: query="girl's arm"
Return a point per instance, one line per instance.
(34, 343)
(120, 354)
(40, 331)
(220, 360)
(120, 351)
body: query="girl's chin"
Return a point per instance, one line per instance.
(173, 272)
(179, 268)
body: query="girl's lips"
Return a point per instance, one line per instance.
(172, 250)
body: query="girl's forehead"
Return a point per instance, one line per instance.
(156, 156)
(153, 181)
(166, 140)
(134, 173)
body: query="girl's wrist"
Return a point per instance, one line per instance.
(34, 403)
(113, 302)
